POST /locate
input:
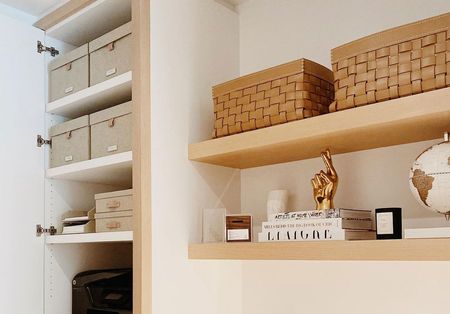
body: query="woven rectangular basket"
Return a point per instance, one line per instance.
(288, 92)
(398, 62)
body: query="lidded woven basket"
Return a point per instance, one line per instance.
(288, 92)
(398, 62)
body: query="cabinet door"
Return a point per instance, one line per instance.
(22, 92)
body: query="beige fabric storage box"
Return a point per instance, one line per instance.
(114, 201)
(111, 130)
(110, 55)
(70, 142)
(69, 73)
(114, 221)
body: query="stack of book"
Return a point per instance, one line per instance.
(332, 224)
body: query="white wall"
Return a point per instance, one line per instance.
(273, 32)
(194, 45)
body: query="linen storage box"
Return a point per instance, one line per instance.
(70, 142)
(114, 201)
(69, 73)
(110, 55)
(111, 130)
(398, 62)
(288, 92)
(114, 221)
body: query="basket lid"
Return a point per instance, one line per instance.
(68, 126)
(273, 73)
(110, 37)
(68, 57)
(391, 36)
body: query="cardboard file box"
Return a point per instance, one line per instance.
(114, 221)
(70, 142)
(114, 201)
(69, 73)
(110, 54)
(111, 131)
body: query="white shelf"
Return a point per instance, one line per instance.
(113, 170)
(98, 97)
(101, 237)
(92, 21)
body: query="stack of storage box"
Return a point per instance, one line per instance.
(102, 133)
(114, 211)
(92, 63)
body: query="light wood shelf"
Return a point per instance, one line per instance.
(404, 120)
(380, 250)
(113, 170)
(91, 20)
(101, 237)
(98, 97)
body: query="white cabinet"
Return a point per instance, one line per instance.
(38, 270)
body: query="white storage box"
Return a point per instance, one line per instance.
(69, 73)
(111, 130)
(110, 54)
(70, 142)
(114, 201)
(114, 221)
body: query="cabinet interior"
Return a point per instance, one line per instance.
(64, 259)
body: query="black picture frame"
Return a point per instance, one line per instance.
(386, 216)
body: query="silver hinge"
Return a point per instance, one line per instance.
(41, 230)
(41, 141)
(41, 48)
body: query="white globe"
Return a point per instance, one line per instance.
(429, 178)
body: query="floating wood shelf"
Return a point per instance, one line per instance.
(404, 120)
(381, 250)
(113, 170)
(98, 97)
(93, 20)
(101, 237)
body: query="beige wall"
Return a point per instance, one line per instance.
(194, 45)
(273, 32)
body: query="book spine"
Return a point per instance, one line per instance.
(306, 234)
(307, 214)
(322, 214)
(303, 223)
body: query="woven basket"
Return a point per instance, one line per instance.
(402, 61)
(292, 91)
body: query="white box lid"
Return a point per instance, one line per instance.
(118, 214)
(68, 126)
(110, 113)
(68, 57)
(113, 194)
(110, 37)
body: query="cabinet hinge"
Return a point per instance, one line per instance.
(41, 48)
(41, 141)
(41, 230)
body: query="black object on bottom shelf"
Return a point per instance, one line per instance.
(103, 292)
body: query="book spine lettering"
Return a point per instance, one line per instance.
(304, 223)
(308, 234)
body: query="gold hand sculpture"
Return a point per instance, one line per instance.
(325, 184)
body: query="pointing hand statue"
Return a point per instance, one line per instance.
(325, 184)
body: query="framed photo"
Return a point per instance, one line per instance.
(388, 223)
